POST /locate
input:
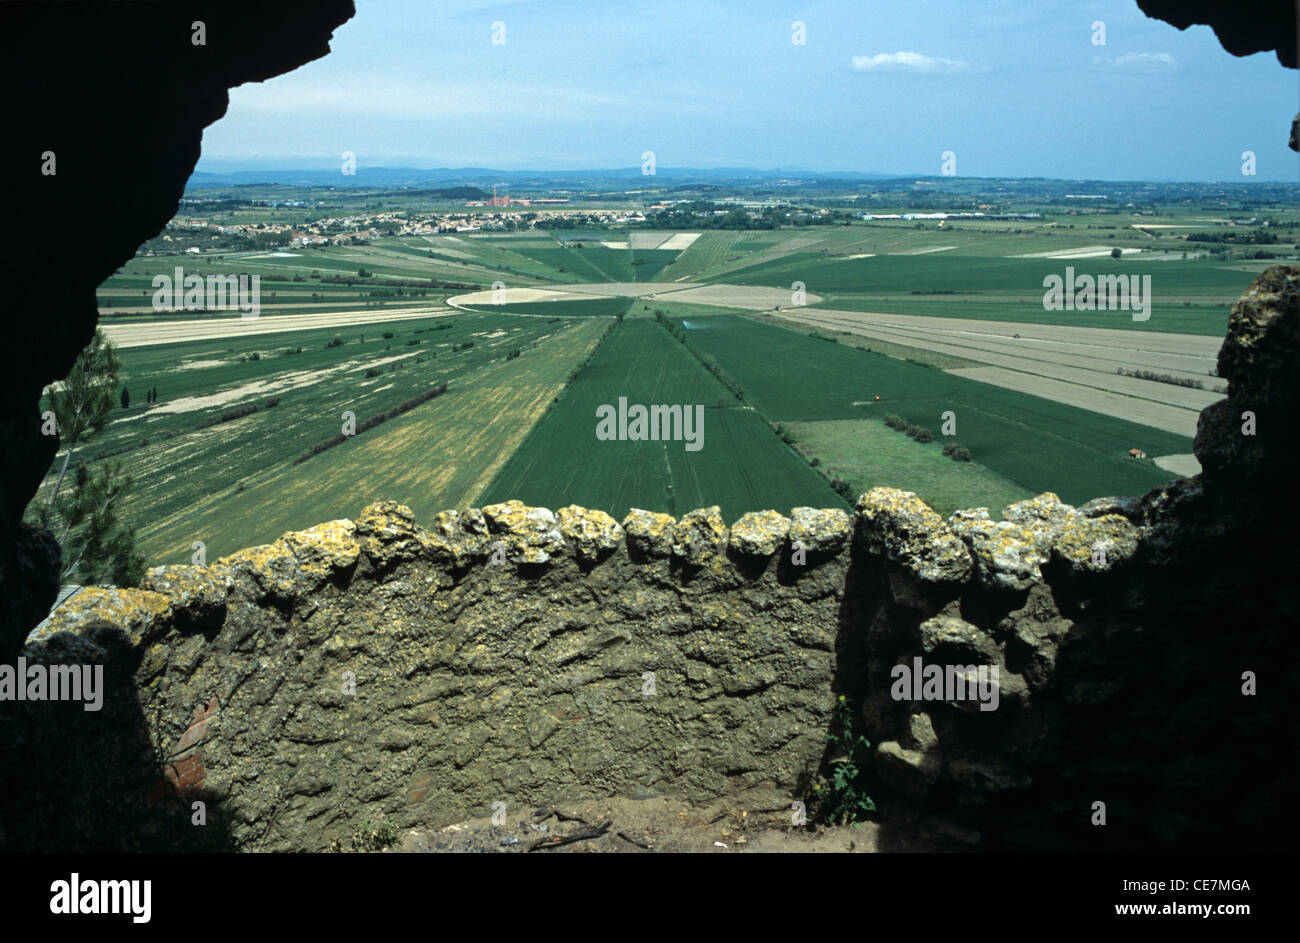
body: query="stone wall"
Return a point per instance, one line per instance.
(1119, 682)
(373, 669)
(377, 670)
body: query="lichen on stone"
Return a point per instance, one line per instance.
(820, 530)
(759, 533)
(1007, 555)
(135, 613)
(459, 536)
(530, 534)
(903, 529)
(299, 562)
(387, 533)
(1097, 545)
(952, 636)
(592, 534)
(649, 532)
(326, 548)
(1045, 516)
(194, 591)
(699, 536)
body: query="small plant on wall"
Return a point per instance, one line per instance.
(840, 797)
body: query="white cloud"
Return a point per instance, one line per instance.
(913, 62)
(1138, 62)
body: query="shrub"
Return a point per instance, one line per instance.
(336, 342)
(961, 454)
(372, 421)
(229, 415)
(1160, 378)
(372, 372)
(920, 433)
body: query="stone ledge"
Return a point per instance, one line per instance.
(893, 524)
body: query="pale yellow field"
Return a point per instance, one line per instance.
(144, 334)
(1074, 365)
(461, 439)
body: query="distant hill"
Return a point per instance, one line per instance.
(484, 178)
(453, 193)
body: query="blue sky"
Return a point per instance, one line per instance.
(1012, 87)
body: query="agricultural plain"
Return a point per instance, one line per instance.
(534, 321)
(741, 464)
(1036, 443)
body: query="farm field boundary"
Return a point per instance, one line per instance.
(1034, 442)
(460, 438)
(742, 466)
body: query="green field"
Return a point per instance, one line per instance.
(968, 270)
(1035, 443)
(439, 455)
(708, 251)
(647, 264)
(742, 465)
(1187, 297)
(587, 264)
(213, 458)
(869, 454)
(571, 265)
(232, 482)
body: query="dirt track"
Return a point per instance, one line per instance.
(144, 334)
(511, 296)
(1145, 412)
(1070, 364)
(753, 297)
